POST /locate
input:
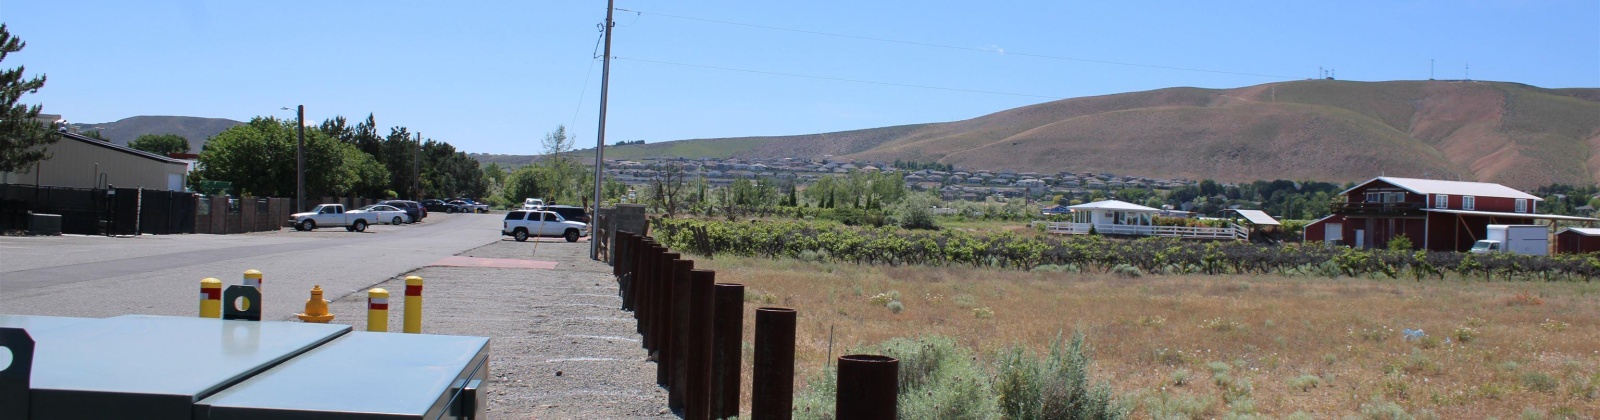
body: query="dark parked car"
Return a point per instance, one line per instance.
(412, 208)
(439, 205)
(572, 213)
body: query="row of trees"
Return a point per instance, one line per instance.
(258, 158)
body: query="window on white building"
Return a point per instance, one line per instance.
(1441, 201)
(1466, 202)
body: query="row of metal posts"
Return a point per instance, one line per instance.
(693, 327)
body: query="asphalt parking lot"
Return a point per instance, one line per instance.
(542, 321)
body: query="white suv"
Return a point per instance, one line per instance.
(533, 204)
(521, 224)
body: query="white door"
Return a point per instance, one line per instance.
(1360, 238)
(1334, 232)
(174, 182)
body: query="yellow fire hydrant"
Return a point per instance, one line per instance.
(316, 308)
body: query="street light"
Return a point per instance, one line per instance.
(300, 159)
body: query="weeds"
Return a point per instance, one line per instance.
(1540, 382)
(982, 313)
(1305, 382)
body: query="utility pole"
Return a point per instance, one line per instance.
(416, 168)
(300, 160)
(600, 140)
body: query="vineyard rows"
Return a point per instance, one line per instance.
(895, 246)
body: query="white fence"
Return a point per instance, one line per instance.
(1233, 231)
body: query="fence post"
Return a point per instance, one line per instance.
(663, 324)
(701, 306)
(868, 387)
(677, 353)
(772, 382)
(727, 335)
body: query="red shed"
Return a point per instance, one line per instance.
(1578, 240)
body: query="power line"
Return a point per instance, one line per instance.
(952, 47)
(837, 79)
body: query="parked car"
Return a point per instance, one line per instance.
(467, 205)
(383, 213)
(330, 215)
(520, 224)
(412, 208)
(572, 213)
(438, 205)
(533, 204)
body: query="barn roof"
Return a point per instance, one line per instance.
(1582, 231)
(1439, 186)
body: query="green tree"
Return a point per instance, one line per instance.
(259, 159)
(22, 137)
(161, 144)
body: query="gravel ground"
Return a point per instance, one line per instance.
(560, 348)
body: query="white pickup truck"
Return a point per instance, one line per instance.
(520, 224)
(330, 215)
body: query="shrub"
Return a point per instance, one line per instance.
(916, 212)
(1054, 386)
(895, 307)
(1400, 243)
(1305, 382)
(1180, 377)
(1127, 271)
(982, 313)
(938, 379)
(1552, 325)
(1539, 381)
(1379, 409)
(1465, 335)
(1178, 406)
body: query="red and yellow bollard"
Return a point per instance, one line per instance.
(252, 278)
(378, 310)
(413, 310)
(211, 298)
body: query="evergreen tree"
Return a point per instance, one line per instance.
(22, 138)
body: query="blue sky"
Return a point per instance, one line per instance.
(493, 77)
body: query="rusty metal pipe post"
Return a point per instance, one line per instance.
(677, 342)
(661, 327)
(623, 268)
(869, 386)
(640, 289)
(642, 302)
(702, 286)
(727, 335)
(772, 385)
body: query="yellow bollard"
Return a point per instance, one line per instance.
(413, 311)
(252, 278)
(211, 298)
(378, 310)
(316, 308)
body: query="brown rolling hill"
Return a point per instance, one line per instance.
(1327, 130)
(196, 129)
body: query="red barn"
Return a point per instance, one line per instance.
(1578, 241)
(1434, 214)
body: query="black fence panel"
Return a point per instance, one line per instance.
(120, 211)
(81, 209)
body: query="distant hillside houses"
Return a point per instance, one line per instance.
(960, 184)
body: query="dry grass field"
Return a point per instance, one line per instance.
(1216, 346)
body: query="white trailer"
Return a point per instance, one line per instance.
(1515, 239)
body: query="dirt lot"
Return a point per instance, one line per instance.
(560, 348)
